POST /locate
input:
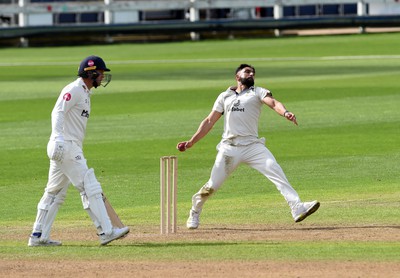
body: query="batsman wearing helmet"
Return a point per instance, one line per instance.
(241, 106)
(67, 162)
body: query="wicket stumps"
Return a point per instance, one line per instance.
(168, 192)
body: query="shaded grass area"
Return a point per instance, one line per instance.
(222, 251)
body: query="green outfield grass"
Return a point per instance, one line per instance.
(345, 151)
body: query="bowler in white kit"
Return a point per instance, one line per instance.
(241, 107)
(67, 162)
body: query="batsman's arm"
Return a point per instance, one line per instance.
(205, 126)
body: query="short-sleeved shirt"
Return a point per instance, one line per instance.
(241, 114)
(71, 112)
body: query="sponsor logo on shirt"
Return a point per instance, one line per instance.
(236, 107)
(67, 97)
(85, 114)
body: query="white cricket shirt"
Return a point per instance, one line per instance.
(242, 112)
(71, 112)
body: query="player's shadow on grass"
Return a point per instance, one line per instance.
(190, 244)
(322, 228)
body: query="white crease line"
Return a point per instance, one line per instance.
(360, 200)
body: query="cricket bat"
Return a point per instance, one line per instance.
(115, 221)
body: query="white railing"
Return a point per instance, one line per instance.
(115, 11)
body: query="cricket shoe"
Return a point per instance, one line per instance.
(302, 210)
(193, 220)
(116, 233)
(35, 241)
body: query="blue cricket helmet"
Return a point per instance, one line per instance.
(91, 63)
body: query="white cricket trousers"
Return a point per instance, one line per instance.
(71, 170)
(255, 155)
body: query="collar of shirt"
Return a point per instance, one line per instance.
(234, 88)
(85, 88)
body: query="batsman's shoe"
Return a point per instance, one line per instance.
(35, 241)
(116, 233)
(302, 210)
(193, 220)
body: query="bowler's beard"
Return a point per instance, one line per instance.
(248, 82)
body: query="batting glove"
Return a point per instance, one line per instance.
(58, 151)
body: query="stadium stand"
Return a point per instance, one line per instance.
(55, 21)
